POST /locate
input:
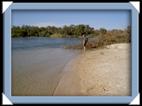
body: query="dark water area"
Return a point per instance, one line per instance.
(31, 42)
(38, 64)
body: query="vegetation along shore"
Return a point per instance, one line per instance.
(97, 37)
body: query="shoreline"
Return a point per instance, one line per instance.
(98, 72)
(37, 71)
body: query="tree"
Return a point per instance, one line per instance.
(103, 31)
(68, 31)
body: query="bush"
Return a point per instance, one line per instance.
(111, 38)
(57, 35)
(108, 38)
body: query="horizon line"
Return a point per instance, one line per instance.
(44, 26)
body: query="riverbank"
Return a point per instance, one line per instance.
(98, 72)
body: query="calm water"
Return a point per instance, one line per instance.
(34, 42)
(38, 63)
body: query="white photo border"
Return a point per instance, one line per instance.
(71, 99)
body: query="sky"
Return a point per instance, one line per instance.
(112, 19)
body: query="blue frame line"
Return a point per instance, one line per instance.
(70, 99)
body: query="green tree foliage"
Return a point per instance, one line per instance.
(49, 31)
(106, 36)
(103, 31)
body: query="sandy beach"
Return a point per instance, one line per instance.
(99, 72)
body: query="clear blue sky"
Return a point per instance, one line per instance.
(98, 19)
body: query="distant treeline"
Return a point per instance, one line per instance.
(59, 32)
(51, 31)
(97, 37)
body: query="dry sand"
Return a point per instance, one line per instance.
(98, 72)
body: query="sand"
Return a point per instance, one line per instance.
(98, 72)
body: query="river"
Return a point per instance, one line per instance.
(38, 63)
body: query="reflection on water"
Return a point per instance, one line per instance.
(38, 69)
(31, 42)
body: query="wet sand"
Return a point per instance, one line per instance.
(98, 72)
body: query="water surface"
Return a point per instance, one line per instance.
(38, 63)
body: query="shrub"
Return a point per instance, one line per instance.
(108, 38)
(57, 35)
